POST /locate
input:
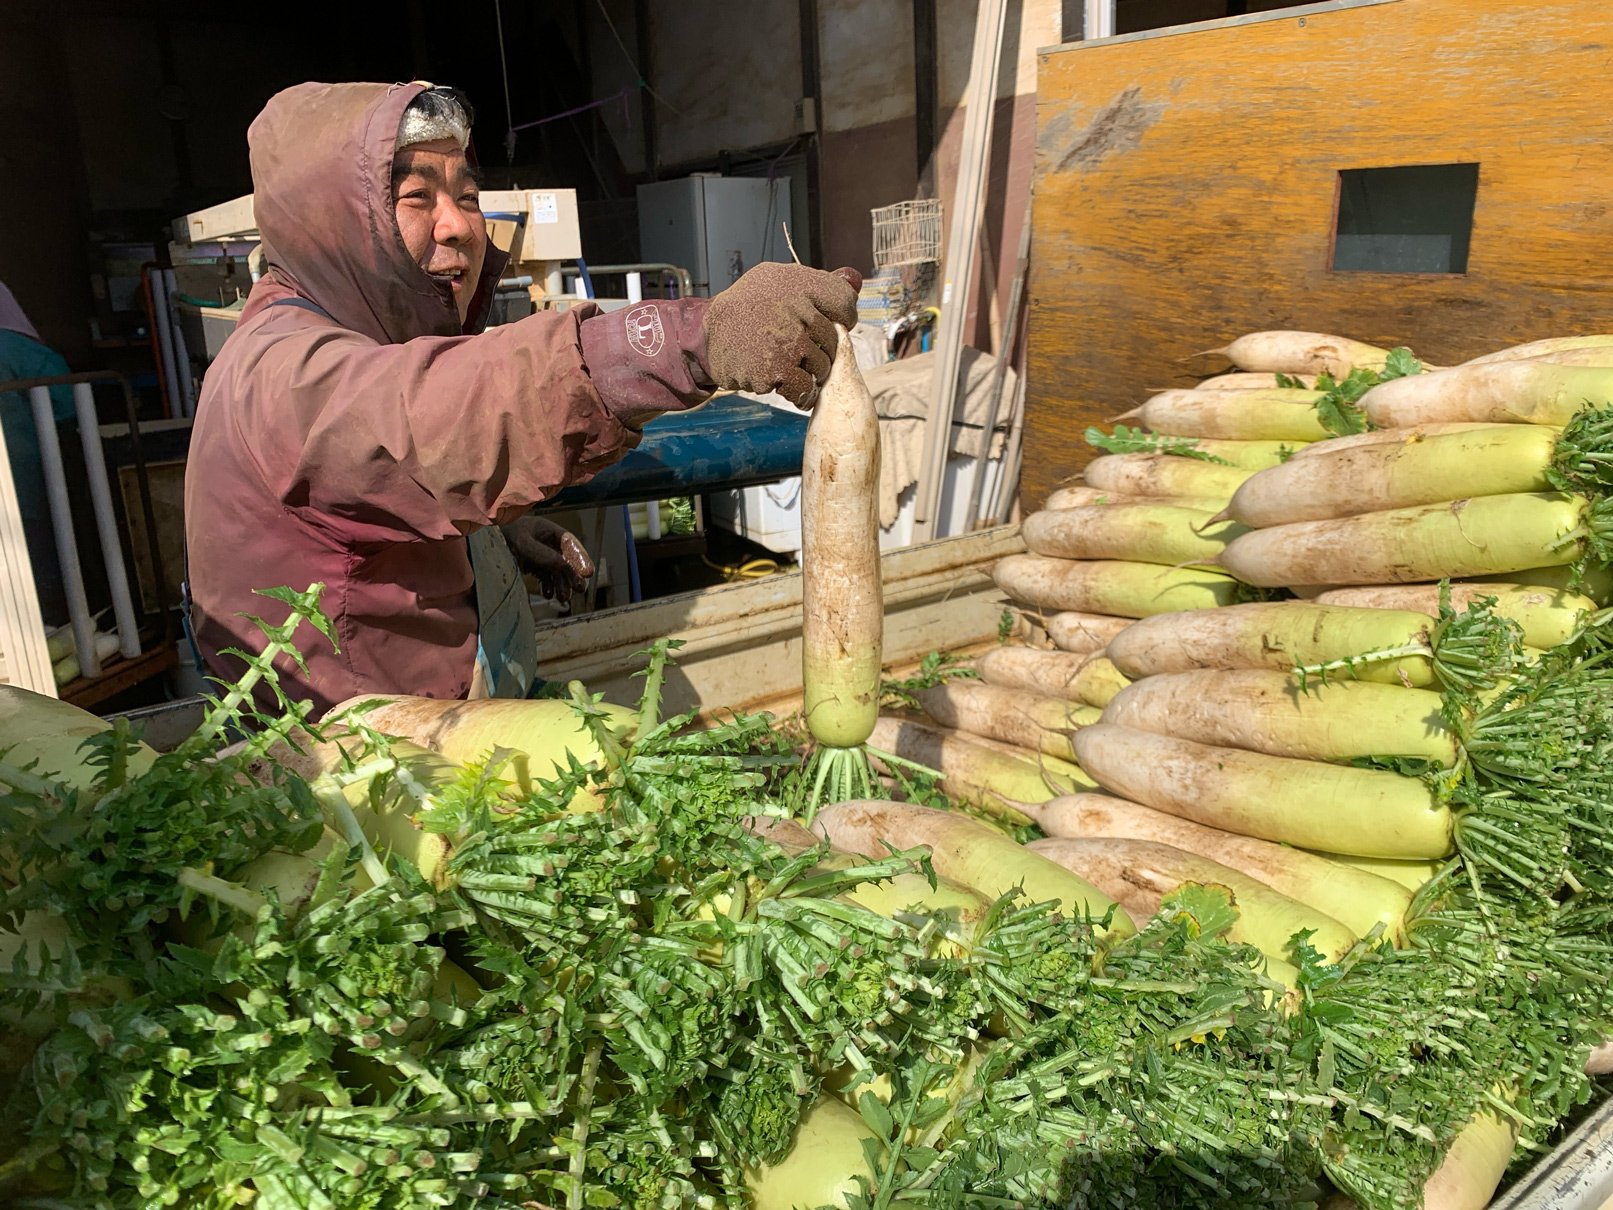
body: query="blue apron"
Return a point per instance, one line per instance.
(506, 638)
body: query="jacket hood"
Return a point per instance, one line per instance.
(322, 182)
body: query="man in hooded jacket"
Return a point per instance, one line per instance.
(360, 430)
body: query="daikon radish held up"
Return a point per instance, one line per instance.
(1015, 716)
(1278, 635)
(1142, 533)
(1542, 348)
(1390, 436)
(1288, 352)
(1279, 414)
(1267, 919)
(842, 605)
(1374, 478)
(1515, 392)
(1164, 475)
(1115, 587)
(1548, 618)
(1079, 495)
(1332, 808)
(1259, 710)
(964, 850)
(1481, 536)
(1072, 630)
(1355, 898)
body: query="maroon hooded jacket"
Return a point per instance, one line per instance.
(359, 450)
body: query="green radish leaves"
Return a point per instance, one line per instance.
(1140, 441)
(894, 1155)
(1401, 363)
(1583, 460)
(1205, 910)
(936, 668)
(1338, 409)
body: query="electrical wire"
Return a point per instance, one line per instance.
(503, 66)
(753, 569)
(632, 62)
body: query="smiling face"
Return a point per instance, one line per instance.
(440, 216)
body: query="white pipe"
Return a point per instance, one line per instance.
(187, 387)
(635, 287)
(106, 520)
(159, 319)
(61, 518)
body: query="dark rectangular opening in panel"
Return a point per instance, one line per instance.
(1416, 219)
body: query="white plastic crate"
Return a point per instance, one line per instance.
(769, 514)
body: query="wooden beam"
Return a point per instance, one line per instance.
(968, 202)
(118, 675)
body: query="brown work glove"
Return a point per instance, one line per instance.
(551, 554)
(773, 329)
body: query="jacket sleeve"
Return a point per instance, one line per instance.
(432, 438)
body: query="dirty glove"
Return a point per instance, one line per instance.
(551, 554)
(648, 358)
(773, 329)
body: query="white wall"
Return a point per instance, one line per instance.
(742, 91)
(1028, 26)
(865, 48)
(734, 90)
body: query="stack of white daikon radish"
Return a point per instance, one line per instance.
(1194, 749)
(1141, 535)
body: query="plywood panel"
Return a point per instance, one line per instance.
(1186, 190)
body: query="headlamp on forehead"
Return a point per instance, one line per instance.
(437, 113)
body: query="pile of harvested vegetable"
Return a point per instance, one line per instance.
(1352, 673)
(567, 954)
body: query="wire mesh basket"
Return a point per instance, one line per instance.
(908, 233)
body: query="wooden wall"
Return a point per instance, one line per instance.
(1185, 193)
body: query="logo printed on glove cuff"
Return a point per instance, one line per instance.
(644, 330)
